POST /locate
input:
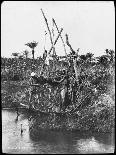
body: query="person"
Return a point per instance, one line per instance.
(33, 74)
(55, 83)
(38, 79)
(45, 55)
(41, 80)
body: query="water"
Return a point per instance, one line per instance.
(49, 142)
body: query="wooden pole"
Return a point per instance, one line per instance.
(74, 59)
(48, 28)
(56, 40)
(60, 35)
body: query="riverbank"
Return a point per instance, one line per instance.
(75, 122)
(97, 117)
(12, 92)
(50, 141)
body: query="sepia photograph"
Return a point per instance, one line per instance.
(58, 77)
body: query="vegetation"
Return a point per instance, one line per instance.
(32, 45)
(92, 104)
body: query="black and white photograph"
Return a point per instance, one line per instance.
(58, 77)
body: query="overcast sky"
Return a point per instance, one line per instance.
(90, 25)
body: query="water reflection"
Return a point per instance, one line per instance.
(93, 146)
(52, 142)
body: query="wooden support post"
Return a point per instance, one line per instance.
(56, 40)
(74, 60)
(47, 27)
(60, 35)
(53, 44)
(75, 68)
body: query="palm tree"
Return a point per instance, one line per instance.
(83, 58)
(26, 53)
(89, 56)
(32, 45)
(110, 53)
(103, 60)
(15, 54)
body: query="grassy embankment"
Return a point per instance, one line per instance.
(94, 97)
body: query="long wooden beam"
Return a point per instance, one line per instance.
(56, 40)
(60, 35)
(74, 60)
(47, 27)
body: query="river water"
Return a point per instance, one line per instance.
(49, 142)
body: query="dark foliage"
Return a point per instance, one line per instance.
(91, 97)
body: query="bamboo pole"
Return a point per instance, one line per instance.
(53, 44)
(75, 68)
(56, 40)
(74, 59)
(61, 39)
(60, 35)
(48, 28)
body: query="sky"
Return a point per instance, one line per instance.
(89, 25)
